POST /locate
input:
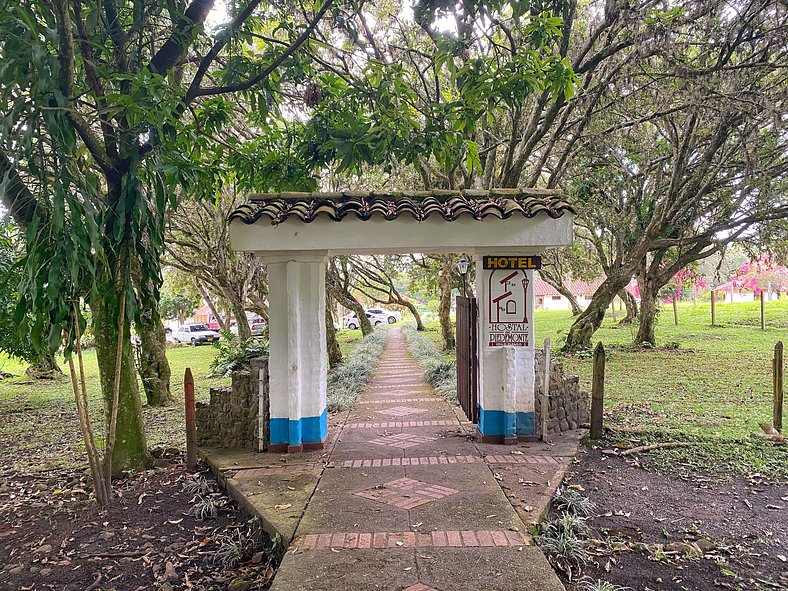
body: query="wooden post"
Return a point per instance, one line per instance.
(597, 391)
(545, 400)
(777, 380)
(763, 313)
(613, 309)
(713, 301)
(675, 309)
(191, 420)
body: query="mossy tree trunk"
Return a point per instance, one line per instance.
(444, 308)
(587, 323)
(131, 450)
(631, 306)
(154, 368)
(44, 366)
(332, 345)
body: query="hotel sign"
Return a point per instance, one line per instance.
(505, 262)
(508, 300)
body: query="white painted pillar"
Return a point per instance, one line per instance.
(298, 361)
(506, 354)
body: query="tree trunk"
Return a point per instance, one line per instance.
(332, 345)
(348, 301)
(444, 309)
(44, 367)
(564, 291)
(223, 324)
(416, 316)
(585, 325)
(238, 310)
(131, 450)
(648, 312)
(154, 368)
(632, 307)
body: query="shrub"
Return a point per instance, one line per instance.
(439, 372)
(589, 584)
(571, 501)
(235, 548)
(235, 354)
(348, 380)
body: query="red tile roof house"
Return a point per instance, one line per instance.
(548, 298)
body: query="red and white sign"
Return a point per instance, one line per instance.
(507, 310)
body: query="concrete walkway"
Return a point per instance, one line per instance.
(404, 499)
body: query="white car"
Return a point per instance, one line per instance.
(377, 316)
(387, 316)
(196, 334)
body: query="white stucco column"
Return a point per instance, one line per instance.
(298, 362)
(506, 353)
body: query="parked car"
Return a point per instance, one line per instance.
(377, 316)
(387, 316)
(258, 328)
(196, 334)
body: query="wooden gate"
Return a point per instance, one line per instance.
(467, 360)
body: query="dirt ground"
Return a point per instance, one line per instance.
(656, 529)
(52, 536)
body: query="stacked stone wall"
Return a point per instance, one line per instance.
(231, 418)
(569, 405)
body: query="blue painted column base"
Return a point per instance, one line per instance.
(294, 435)
(498, 426)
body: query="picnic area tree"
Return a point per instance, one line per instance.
(198, 244)
(668, 177)
(99, 130)
(376, 278)
(433, 273)
(573, 262)
(179, 296)
(339, 283)
(42, 362)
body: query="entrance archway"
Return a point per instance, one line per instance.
(503, 229)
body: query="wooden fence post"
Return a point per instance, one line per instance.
(545, 400)
(675, 309)
(777, 381)
(763, 313)
(713, 301)
(191, 420)
(598, 391)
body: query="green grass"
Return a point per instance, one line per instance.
(39, 429)
(702, 383)
(716, 383)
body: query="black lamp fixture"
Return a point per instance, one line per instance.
(462, 267)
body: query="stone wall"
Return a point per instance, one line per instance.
(230, 419)
(569, 405)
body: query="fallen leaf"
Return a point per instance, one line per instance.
(285, 506)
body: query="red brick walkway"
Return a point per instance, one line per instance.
(414, 504)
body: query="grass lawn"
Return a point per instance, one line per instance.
(39, 428)
(712, 382)
(701, 382)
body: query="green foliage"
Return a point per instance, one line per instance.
(589, 584)
(572, 502)
(439, 372)
(235, 354)
(564, 545)
(235, 548)
(349, 378)
(10, 275)
(179, 298)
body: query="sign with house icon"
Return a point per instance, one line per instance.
(507, 313)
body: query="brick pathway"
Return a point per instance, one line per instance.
(414, 504)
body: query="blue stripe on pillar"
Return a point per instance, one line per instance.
(298, 431)
(506, 424)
